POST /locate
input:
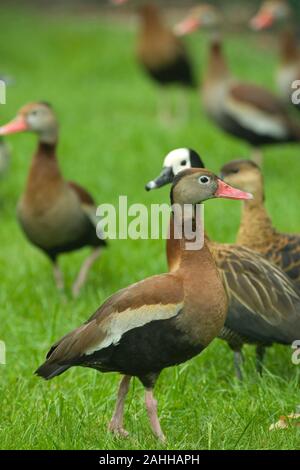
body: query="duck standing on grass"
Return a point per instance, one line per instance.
(161, 54)
(158, 322)
(57, 216)
(264, 304)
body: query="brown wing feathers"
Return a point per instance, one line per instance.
(261, 112)
(258, 97)
(245, 110)
(130, 308)
(256, 284)
(83, 195)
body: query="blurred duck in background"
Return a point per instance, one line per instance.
(202, 16)
(161, 53)
(245, 110)
(159, 322)
(256, 230)
(279, 12)
(242, 109)
(264, 304)
(57, 216)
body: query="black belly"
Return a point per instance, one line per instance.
(145, 351)
(177, 72)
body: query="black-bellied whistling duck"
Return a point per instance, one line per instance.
(57, 216)
(261, 310)
(158, 322)
(245, 110)
(242, 109)
(256, 230)
(279, 12)
(160, 52)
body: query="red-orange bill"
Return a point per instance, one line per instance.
(118, 2)
(187, 26)
(17, 125)
(228, 192)
(262, 21)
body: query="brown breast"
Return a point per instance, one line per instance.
(49, 210)
(205, 301)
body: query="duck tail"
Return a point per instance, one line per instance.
(49, 370)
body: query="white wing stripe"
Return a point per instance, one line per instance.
(120, 322)
(256, 120)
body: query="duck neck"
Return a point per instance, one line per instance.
(288, 47)
(175, 246)
(256, 228)
(193, 246)
(205, 300)
(217, 69)
(151, 19)
(44, 167)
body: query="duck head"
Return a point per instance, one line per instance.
(270, 12)
(36, 117)
(176, 161)
(196, 185)
(245, 175)
(183, 161)
(202, 16)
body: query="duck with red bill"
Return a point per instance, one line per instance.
(56, 215)
(159, 322)
(252, 316)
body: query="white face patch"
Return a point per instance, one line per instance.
(178, 160)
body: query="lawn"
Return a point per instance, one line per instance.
(112, 142)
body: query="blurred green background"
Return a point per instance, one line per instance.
(80, 56)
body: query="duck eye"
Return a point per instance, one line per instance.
(183, 163)
(34, 113)
(235, 170)
(204, 179)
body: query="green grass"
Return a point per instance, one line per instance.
(112, 143)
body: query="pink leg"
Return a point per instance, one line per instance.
(116, 424)
(151, 406)
(84, 270)
(58, 276)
